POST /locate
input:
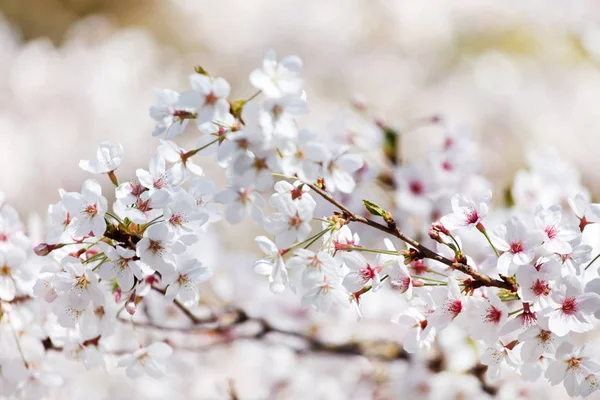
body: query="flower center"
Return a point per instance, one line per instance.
(176, 219)
(416, 188)
(260, 164)
(472, 216)
(155, 247)
(493, 315)
(454, 307)
(211, 98)
(574, 363)
(544, 336)
(550, 231)
(295, 221)
(5, 270)
(516, 247)
(160, 182)
(91, 210)
(368, 273)
(540, 288)
(569, 306)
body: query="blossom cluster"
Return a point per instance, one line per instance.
(517, 282)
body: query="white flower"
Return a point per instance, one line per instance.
(210, 97)
(571, 367)
(494, 357)
(128, 193)
(121, 265)
(79, 282)
(271, 265)
(450, 306)
(586, 212)
(183, 282)
(556, 237)
(170, 114)
(256, 168)
(518, 243)
(157, 248)
(87, 209)
(291, 224)
(182, 162)
(156, 178)
(90, 354)
(339, 170)
(13, 271)
(108, 158)
(59, 220)
(467, 211)
(182, 215)
(325, 293)
(278, 78)
(44, 287)
(147, 206)
(306, 158)
(314, 267)
(240, 200)
(537, 342)
(536, 282)
(361, 272)
(147, 359)
(203, 193)
(574, 310)
(486, 317)
(415, 185)
(418, 335)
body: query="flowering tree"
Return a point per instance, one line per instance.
(515, 279)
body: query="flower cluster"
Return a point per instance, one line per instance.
(517, 282)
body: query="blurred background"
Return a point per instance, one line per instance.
(73, 73)
(523, 74)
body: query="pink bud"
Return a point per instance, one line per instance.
(418, 283)
(439, 227)
(43, 249)
(434, 235)
(130, 307)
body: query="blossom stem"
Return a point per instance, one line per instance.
(254, 96)
(317, 237)
(193, 152)
(510, 314)
(481, 229)
(380, 251)
(149, 224)
(427, 279)
(119, 220)
(591, 262)
(93, 258)
(431, 271)
(19, 348)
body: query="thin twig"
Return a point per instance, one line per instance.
(392, 229)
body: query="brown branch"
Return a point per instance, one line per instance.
(392, 229)
(195, 320)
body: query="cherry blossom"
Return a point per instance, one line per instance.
(108, 158)
(87, 209)
(147, 360)
(182, 283)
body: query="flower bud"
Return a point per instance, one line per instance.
(435, 235)
(439, 227)
(43, 249)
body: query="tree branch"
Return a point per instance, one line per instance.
(392, 229)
